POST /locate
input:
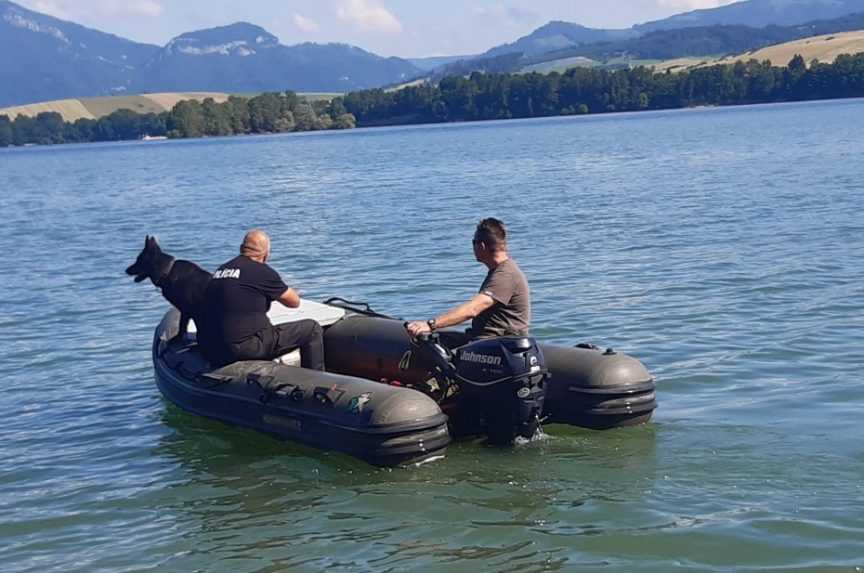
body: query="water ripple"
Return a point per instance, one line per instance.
(721, 247)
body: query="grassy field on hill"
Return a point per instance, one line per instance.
(96, 107)
(561, 65)
(825, 49)
(822, 48)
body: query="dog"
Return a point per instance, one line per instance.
(183, 283)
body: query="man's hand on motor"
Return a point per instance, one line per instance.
(417, 328)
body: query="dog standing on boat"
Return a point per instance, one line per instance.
(183, 283)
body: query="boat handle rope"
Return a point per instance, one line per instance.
(358, 307)
(405, 362)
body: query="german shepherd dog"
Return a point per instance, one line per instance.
(183, 283)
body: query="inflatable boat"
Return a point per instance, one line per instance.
(391, 400)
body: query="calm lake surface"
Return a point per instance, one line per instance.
(721, 247)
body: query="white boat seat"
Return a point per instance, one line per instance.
(323, 314)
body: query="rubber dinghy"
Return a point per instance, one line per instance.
(384, 425)
(384, 396)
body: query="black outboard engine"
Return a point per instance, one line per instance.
(501, 380)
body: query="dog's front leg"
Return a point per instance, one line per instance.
(184, 326)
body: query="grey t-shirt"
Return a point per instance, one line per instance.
(511, 313)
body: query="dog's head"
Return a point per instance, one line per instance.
(146, 264)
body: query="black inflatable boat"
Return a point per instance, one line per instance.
(384, 396)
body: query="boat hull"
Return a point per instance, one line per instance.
(381, 424)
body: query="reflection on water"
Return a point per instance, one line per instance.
(257, 491)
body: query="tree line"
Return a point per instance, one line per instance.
(266, 113)
(484, 96)
(480, 96)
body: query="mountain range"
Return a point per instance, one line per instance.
(758, 13)
(731, 29)
(556, 36)
(246, 58)
(44, 58)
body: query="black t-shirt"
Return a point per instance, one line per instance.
(239, 296)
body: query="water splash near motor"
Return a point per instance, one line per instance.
(539, 436)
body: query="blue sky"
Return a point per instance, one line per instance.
(406, 28)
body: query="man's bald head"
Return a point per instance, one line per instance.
(256, 245)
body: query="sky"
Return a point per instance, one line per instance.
(404, 28)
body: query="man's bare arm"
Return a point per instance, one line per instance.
(290, 298)
(458, 315)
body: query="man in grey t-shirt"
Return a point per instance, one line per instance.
(503, 305)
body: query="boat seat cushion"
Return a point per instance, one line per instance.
(323, 314)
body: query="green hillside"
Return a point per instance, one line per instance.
(96, 107)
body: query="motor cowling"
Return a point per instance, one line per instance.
(504, 379)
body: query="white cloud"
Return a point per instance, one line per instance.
(504, 15)
(305, 24)
(368, 15)
(68, 10)
(145, 8)
(510, 15)
(694, 4)
(52, 9)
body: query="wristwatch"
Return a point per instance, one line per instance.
(432, 324)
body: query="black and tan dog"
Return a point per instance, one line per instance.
(183, 283)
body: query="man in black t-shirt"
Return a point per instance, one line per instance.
(238, 299)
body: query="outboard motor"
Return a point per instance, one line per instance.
(501, 380)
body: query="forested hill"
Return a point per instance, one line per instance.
(707, 41)
(265, 113)
(593, 90)
(559, 35)
(696, 41)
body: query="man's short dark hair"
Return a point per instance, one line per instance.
(493, 233)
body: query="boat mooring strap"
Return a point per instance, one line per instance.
(269, 389)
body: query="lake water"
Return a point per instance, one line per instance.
(721, 247)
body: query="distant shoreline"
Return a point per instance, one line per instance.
(472, 123)
(480, 97)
